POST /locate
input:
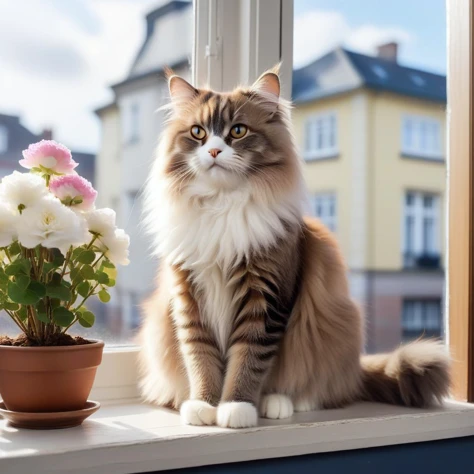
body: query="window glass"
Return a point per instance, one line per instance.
(3, 139)
(378, 70)
(89, 74)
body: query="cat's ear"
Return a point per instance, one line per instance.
(268, 83)
(180, 90)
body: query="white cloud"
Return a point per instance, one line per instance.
(44, 93)
(318, 32)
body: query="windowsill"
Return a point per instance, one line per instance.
(139, 438)
(321, 157)
(430, 159)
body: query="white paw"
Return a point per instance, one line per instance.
(276, 406)
(198, 412)
(236, 415)
(304, 404)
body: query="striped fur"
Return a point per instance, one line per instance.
(252, 308)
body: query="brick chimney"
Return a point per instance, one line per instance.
(388, 51)
(47, 134)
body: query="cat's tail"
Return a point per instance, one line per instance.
(414, 375)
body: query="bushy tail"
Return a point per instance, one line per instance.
(415, 375)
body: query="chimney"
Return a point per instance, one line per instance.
(388, 51)
(47, 134)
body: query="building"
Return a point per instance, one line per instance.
(131, 125)
(15, 137)
(372, 133)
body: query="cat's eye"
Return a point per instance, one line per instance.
(238, 131)
(198, 132)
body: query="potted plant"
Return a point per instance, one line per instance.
(56, 252)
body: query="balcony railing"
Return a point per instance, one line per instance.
(422, 260)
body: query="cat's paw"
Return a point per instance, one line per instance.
(276, 406)
(198, 412)
(236, 415)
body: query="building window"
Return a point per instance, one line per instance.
(3, 139)
(421, 230)
(421, 318)
(132, 124)
(421, 136)
(324, 208)
(320, 137)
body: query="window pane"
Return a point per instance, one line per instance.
(389, 99)
(92, 71)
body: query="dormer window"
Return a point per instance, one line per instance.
(379, 71)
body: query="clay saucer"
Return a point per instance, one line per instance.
(49, 420)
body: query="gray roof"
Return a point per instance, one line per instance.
(375, 73)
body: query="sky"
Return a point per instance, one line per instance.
(59, 57)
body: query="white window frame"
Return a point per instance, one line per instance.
(318, 130)
(255, 35)
(417, 148)
(3, 139)
(419, 213)
(325, 200)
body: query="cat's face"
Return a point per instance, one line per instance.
(227, 141)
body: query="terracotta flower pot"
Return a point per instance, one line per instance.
(48, 379)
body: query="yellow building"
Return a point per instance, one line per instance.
(372, 133)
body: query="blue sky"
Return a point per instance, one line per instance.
(58, 62)
(424, 20)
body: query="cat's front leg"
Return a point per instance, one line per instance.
(258, 328)
(201, 355)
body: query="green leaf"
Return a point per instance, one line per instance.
(77, 252)
(102, 278)
(58, 259)
(87, 257)
(47, 267)
(111, 271)
(61, 292)
(3, 277)
(75, 274)
(108, 264)
(83, 288)
(104, 296)
(22, 313)
(62, 316)
(54, 303)
(86, 319)
(111, 282)
(22, 281)
(20, 295)
(87, 272)
(11, 306)
(14, 248)
(38, 288)
(43, 317)
(19, 266)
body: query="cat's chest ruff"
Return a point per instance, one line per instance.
(221, 232)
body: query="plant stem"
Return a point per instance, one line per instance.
(91, 292)
(66, 262)
(18, 322)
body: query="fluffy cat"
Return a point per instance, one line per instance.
(252, 314)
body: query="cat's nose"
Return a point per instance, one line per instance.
(214, 152)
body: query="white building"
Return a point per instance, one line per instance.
(130, 129)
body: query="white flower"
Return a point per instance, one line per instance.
(22, 190)
(52, 225)
(101, 221)
(7, 226)
(116, 246)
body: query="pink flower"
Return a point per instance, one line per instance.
(74, 191)
(50, 156)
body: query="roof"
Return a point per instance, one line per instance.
(375, 73)
(152, 20)
(19, 137)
